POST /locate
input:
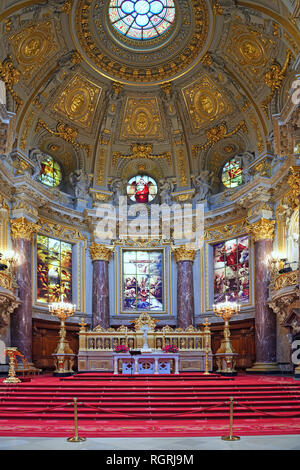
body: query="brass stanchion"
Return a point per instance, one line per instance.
(231, 437)
(76, 438)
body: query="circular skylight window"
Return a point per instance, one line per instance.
(142, 19)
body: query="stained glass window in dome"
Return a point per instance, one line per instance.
(142, 19)
(232, 173)
(51, 173)
(141, 189)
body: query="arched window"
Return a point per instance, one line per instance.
(142, 19)
(141, 189)
(232, 173)
(51, 173)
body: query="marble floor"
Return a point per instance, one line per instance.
(287, 442)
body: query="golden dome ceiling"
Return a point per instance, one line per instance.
(199, 93)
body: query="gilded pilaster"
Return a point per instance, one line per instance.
(184, 257)
(22, 228)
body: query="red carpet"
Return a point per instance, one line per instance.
(164, 406)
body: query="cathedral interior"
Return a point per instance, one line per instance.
(172, 103)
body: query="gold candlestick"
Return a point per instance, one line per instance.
(12, 378)
(226, 354)
(64, 356)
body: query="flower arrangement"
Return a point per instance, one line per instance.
(170, 349)
(121, 348)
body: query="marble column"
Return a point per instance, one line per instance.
(185, 285)
(265, 318)
(21, 319)
(101, 256)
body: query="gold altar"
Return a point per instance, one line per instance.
(96, 347)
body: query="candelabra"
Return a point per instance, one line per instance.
(63, 355)
(226, 356)
(12, 352)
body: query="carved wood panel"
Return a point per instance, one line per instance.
(45, 339)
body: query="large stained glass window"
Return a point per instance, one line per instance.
(54, 270)
(232, 173)
(142, 280)
(51, 173)
(141, 189)
(231, 270)
(142, 19)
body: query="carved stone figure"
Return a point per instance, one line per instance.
(36, 156)
(117, 187)
(166, 188)
(203, 184)
(80, 182)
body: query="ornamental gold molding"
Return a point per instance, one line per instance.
(259, 139)
(263, 229)
(274, 78)
(22, 228)
(6, 281)
(294, 183)
(250, 50)
(32, 47)
(53, 229)
(100, 252)
(65, 132)
(141, 119)
(286, 280)
(105, 54)
(221, 232)
(204, 102)
(215, 134)
(78, 101)
(183, 253)
(10, 76)
(141, 151)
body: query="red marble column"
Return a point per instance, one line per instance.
(185, 286)
(100, 255)
(21, 318)
(265, 318)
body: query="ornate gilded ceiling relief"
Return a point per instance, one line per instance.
(204, 102)
(154, 60)
(78, 101)
(251, 50)
(141, 119)
(33, 46)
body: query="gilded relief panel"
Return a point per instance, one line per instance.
(32, 47)
(78, 101)
(204, 102)
(141, 119)
(251, 50)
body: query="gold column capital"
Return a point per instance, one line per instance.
(22, 228)
(184, 253)
(100, 252)
(263, 229)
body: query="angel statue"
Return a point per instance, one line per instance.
(203, 184)
(246, 159)
(166, 189)
(117, 185)
(36, 157)
(80, 182)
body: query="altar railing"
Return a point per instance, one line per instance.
(98, 339)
